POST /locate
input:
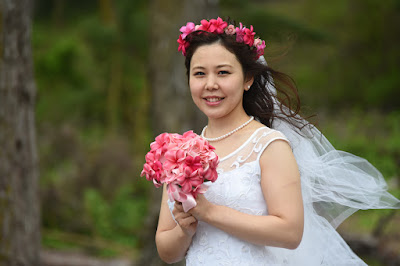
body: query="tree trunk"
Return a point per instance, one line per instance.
(19, 199)
(172, 108)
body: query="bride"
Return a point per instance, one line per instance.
(282, 189)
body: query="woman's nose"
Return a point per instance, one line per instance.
(211, 83)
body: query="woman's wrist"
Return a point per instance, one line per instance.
(211, 213)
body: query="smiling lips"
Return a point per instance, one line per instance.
(213, 100)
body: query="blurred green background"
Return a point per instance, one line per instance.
(93, 110)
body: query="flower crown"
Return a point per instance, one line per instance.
(218, 26)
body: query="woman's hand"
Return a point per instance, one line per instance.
(185, 220)
(202, 208)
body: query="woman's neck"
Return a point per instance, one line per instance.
(221, 126)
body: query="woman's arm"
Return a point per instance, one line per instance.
(173, 239)
(280, 182)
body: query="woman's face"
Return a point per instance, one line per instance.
(217, 81)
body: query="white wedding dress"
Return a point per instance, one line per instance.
(334, 185)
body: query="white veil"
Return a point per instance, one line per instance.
(335, 183)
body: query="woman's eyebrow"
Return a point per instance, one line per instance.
(219, 66)
(224, 65)
(198, 67)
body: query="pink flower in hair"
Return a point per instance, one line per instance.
(260, 45)
(240, 32)
(182, 45)
(230, 30)
(217, 25)
(248, 37)
(186, 30)
(205, 25)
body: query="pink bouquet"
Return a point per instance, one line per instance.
(184, 163)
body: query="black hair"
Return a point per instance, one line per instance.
(258, 101)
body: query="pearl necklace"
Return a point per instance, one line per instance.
(227, 134)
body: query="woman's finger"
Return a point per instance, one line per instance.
(187, 221)
(178, 206)
(180, 215)
(177, 210)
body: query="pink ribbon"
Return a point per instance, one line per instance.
(175, 193)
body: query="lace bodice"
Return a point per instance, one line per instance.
(251, 150)
(328, 177)
(238, 183)
(238, 187)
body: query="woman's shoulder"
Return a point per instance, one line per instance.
(264, 136)
(262, 131)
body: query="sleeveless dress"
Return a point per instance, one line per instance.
(238, 187)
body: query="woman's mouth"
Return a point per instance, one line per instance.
(213, 100)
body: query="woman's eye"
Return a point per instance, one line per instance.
(199, 73)
(223, 72)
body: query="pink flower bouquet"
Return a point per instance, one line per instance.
(184, 163)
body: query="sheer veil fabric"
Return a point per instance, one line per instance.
(335, 183)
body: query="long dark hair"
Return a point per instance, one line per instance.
(258, 101)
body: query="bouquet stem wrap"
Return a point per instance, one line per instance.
(183, 163)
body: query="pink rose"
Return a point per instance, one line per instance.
(186, 30)
(230, 30)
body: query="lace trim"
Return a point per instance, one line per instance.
(259, 143)
(243, 145)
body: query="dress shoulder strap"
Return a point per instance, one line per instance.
(253, 148)
(267, 138)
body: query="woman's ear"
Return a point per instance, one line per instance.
(248, 83)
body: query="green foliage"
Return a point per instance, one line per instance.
(343, 53)
(120, 219)
(94, 177)
(62, 68)
(270, 25)
(92, 71)
(372, 135)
